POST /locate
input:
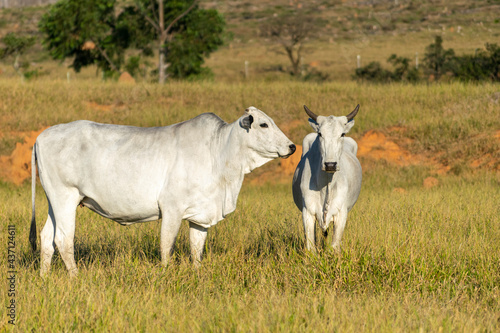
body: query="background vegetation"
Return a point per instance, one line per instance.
(414, 258)
(341, 30)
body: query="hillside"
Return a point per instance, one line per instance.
(343, 29)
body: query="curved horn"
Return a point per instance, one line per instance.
(310, 113)
(353, 114)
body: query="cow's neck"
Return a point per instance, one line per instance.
(231, 164)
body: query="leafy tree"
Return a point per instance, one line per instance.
(184, 33)
(91, 33)
(437, 60)
(15, 46)
(83, 29)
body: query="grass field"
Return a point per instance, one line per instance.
(413, 260)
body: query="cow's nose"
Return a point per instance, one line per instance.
(292, 148)
(330, 166)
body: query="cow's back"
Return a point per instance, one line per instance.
(120, 171)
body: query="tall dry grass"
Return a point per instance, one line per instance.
(454, 123)
(415, 260)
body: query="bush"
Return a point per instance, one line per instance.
(403, 72)
(484, 65)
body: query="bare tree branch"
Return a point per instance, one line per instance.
(105, 55)
(291, 32)
(147, 18)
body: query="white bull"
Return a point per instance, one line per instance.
(191, 170)
(327, 181)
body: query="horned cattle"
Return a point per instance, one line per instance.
(327, 181)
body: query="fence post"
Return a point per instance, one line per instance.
(416, 60)
(358, 61)
(246, 69)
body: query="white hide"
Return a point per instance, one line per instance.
(191, 170)
(327, 196)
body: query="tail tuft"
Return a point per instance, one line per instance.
(33, 234)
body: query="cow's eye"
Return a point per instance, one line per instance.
(264, 125)
(343, 134)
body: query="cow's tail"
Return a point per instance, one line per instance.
(33, 194)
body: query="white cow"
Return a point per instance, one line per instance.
(327, 181)
(191, 170)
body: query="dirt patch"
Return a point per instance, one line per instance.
(377, 145)
(430, 182)
(289, 164)
(125, 77)
(373, 145)
(116, 106)
(17, 166)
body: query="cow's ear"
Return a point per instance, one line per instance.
(246, 122)
(314, 124)
(348, 126)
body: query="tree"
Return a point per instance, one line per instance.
(184, 33)
(437, 60)
(164, 33)
(83, 29)
(15, 46)
(291, 31)
(91, 33)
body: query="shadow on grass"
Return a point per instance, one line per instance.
(105, 252)
(145, 247)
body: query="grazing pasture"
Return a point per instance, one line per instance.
(414, 258)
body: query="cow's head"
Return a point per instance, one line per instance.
(331, 131)
(264, 138)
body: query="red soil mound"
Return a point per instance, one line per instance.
(376, 145)
(17, 167)
(372, 145)
(288, 165)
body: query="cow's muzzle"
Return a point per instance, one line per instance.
(330, 167)
(290, 152)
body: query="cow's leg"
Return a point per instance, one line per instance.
(64, 238)
(197, 238)
(309, 228)
(47, 243)
(338, 229)
(169, 230)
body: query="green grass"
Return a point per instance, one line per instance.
(425, 260)
(421, 260)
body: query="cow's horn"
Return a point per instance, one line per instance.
(310, 113)
(353, 114)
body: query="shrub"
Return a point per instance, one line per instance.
(482, 66)
(402, 71)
